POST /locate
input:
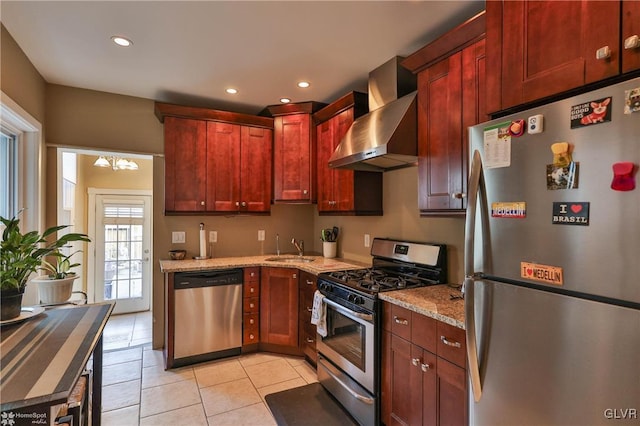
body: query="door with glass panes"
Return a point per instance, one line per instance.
(123, 251)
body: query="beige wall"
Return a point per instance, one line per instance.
(19, 79)
(89, 119)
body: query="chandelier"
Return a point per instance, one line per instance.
(116, 163)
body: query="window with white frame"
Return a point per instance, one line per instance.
(21, 160)
(8, 173)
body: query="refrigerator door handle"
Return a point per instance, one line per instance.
(476, 188)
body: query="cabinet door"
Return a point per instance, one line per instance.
(185, 164)
(343, 179)
(549, 47)
(293, 162)
(223, 166)
(307, 331)
(440, 135)
(335, 186)
(451, 394)
(405, 385)
(279, 306)
(255, 169)
(630, 27)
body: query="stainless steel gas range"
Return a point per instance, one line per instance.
(349, 355)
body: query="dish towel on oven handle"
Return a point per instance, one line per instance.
(319, 314)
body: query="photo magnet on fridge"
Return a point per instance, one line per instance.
(593, 112)
(632, 100)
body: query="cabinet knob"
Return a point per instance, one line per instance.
(632, 42)
(448, 343)
(251, 290)
(415, 361)
(425, 367)
(244, 204)
(309, 309)
(458, 195)
(253, 274)
(251, 337)
(305, 192)
(310, 340)
(294, 276)
(603, 53)
(309, 282)
(237, 203)
(251, 305)
(251, 321)
(202, 203)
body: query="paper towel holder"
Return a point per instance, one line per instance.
(203, 244)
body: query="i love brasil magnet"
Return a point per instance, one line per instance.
(543, 273)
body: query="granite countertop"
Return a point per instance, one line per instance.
(433, 301)
(319, 264)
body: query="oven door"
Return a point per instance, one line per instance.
(349, 342)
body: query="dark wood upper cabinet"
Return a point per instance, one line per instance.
(185, 143)
(216, 161)
(294, 152)
(538, 49)
(343, 191)
(451, 97)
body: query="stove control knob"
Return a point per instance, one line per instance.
(351, 298)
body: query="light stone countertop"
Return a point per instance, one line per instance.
(433, 301)
(320, 264)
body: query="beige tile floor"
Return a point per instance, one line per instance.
(138, 391)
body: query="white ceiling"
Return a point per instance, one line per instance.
(189, 52)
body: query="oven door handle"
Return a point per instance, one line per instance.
(353, 393)
(347, 311)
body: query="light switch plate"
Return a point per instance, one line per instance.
(178, 237)
(261, 235)
(213, 236)
(367, 240)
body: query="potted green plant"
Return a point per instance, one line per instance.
(56, 286)
(21, 255)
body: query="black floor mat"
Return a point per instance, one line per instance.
(309, 405)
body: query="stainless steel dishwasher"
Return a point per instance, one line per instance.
(208, 315)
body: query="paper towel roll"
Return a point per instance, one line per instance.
(203, 241)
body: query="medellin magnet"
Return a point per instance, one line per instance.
(517, 128)
(623, 179)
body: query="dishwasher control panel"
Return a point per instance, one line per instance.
(195, 279)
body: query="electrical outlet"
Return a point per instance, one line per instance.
(367, 240)
(178, 237)
(213, 236)
(261, 235)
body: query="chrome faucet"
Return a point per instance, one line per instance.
(299, 245)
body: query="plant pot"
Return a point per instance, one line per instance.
(54, 291)
(10, 305)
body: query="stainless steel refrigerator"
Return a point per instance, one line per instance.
(552, 263)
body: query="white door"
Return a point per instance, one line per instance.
(123, 251)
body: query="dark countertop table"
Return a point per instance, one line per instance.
(43, 357)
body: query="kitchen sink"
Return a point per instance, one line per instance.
(290, 259)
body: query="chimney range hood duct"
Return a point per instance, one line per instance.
(386, 137)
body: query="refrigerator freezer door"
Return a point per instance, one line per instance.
(549, 359)
(599, 259)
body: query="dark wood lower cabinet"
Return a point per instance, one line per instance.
(418, 386)
(279, 308)
(306, 330)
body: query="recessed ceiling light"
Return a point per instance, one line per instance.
(121, 41)
(303, 84)
(285, 100)
(231, 91)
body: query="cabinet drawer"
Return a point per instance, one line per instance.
(251, 322)
(251, 274)
(251, 305)
(251, 289)
(423, 331)
(250, 336)
(452, 344)
(400, 322)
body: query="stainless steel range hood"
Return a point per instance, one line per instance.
(386, 137)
